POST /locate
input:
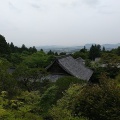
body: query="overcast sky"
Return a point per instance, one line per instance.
(60, 22)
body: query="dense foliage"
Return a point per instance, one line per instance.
(25, 95)
(95, 102)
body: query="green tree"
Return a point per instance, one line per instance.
(37, 60)
(50, 52)
(63, 109)
(83, 50)
(64, 83)
(118, 51)
(95, 102)
(12, 47)
(111, 62)
(103, 49)
(83, 53)
(47, 100)
(62, 53)
(99, 102)
(4, 48)
(56, 54)
(29, 78)
(95, 51)
(15, 58)
(7, 82)
(32, 50)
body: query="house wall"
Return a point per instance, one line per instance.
(57, 69)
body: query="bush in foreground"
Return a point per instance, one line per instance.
(95, 102)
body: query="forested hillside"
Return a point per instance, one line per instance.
(25, 96)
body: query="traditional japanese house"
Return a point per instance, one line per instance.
(68, 66)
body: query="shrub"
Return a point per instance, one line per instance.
(47, 100)
(99, 102)
(95, 102)
(64, 83)
(64, 107)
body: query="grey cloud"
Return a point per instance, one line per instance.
(61, 22)
(108, 12)
(13, 7)
(106, 9)
(76, 4)
(35, 6)
(63, 4)
(72, 4)
(91, 2)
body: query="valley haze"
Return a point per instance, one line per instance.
(72, 49)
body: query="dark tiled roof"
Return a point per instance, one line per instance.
(73, 67)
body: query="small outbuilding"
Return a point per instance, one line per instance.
(80, 60)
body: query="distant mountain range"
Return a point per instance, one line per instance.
(111, 46)
(72, 49)
(107, 46)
